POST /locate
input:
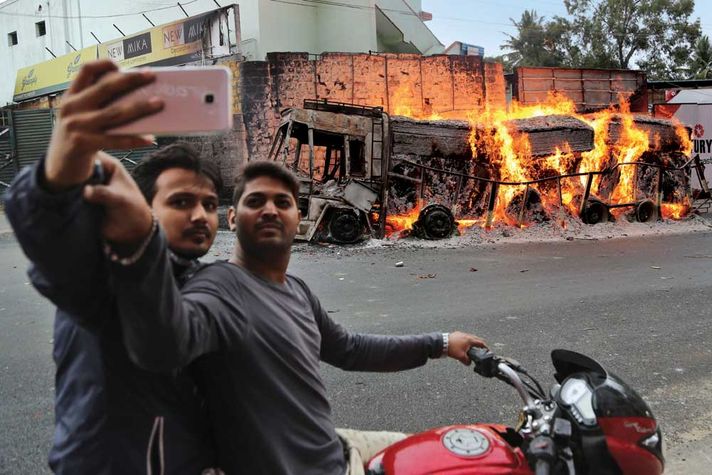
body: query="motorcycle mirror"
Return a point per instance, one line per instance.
(569, 362)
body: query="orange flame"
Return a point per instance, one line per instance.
(402, 222)
(633, 142)
(491, 137)
(684, 137)
(511, 155)
(675, 210)
(595, 159)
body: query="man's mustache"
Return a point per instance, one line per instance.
(269, 224)
(199, 229)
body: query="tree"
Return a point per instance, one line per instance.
(654, 35)
(535, 44)
(701, 59)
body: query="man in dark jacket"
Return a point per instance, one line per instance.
(111, 416)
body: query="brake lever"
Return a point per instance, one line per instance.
(515, 365)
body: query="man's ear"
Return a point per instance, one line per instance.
(232, 218)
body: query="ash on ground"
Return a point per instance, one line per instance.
(571, 229)
(550, 231)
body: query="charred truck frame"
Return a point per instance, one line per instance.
(356, 165)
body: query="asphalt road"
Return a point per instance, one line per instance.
(638, 305)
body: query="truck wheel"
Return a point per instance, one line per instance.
(645, 211)
(345, 227)
(595, 212)
(436, 222)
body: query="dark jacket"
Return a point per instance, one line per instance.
(110, 415)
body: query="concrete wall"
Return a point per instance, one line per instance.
(30, 48)
(349, 30)
(286, 27)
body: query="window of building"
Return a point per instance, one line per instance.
(12, 38)
(40, 28)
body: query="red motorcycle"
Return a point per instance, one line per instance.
(591, 422)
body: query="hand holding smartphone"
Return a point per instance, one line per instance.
(196, 100)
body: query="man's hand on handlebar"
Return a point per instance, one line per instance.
(459, 343)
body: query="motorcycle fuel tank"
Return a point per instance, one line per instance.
(452, 450)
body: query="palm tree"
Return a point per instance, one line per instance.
(535, 43)
(701, 59)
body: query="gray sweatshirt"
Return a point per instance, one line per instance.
(258, 346)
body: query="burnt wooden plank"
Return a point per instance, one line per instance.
(661, 132)
(423, 138)
(451, 137)
(547, 133)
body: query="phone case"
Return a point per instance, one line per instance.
(197, 100)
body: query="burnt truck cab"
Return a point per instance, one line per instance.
(339, 155)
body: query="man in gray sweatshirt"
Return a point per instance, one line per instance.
(257, 333)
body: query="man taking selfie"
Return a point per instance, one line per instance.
(259, 331)
(111, 416)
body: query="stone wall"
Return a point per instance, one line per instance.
(449, 86)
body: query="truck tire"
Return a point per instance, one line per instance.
(345, 227)
(436, 222)
(595, 212)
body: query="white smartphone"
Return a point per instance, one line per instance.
(197, 101)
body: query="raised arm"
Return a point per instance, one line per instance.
(164, 329)
(56, 229)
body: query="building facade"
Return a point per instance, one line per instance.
(33, 31)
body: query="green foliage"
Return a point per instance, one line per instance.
(536, 43)
(701, 59)
(654, 35)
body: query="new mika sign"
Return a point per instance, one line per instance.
(174, 43)
(179, 42)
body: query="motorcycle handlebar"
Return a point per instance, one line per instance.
(485, 361)
(489, 365)
(542, 451)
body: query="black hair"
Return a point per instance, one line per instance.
(177, 155)
(260, 168)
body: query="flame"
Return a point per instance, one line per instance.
(492, 138)
(463, 224)
(632, 143)
(675, 210)
(402, 222)
(596, 158)
(684, 137)
(561, 162)
(512, 155)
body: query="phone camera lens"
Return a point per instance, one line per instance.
(209, 98)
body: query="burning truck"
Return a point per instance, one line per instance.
(364, 173)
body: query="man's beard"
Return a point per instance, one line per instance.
(189, 254)
(262, 251)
